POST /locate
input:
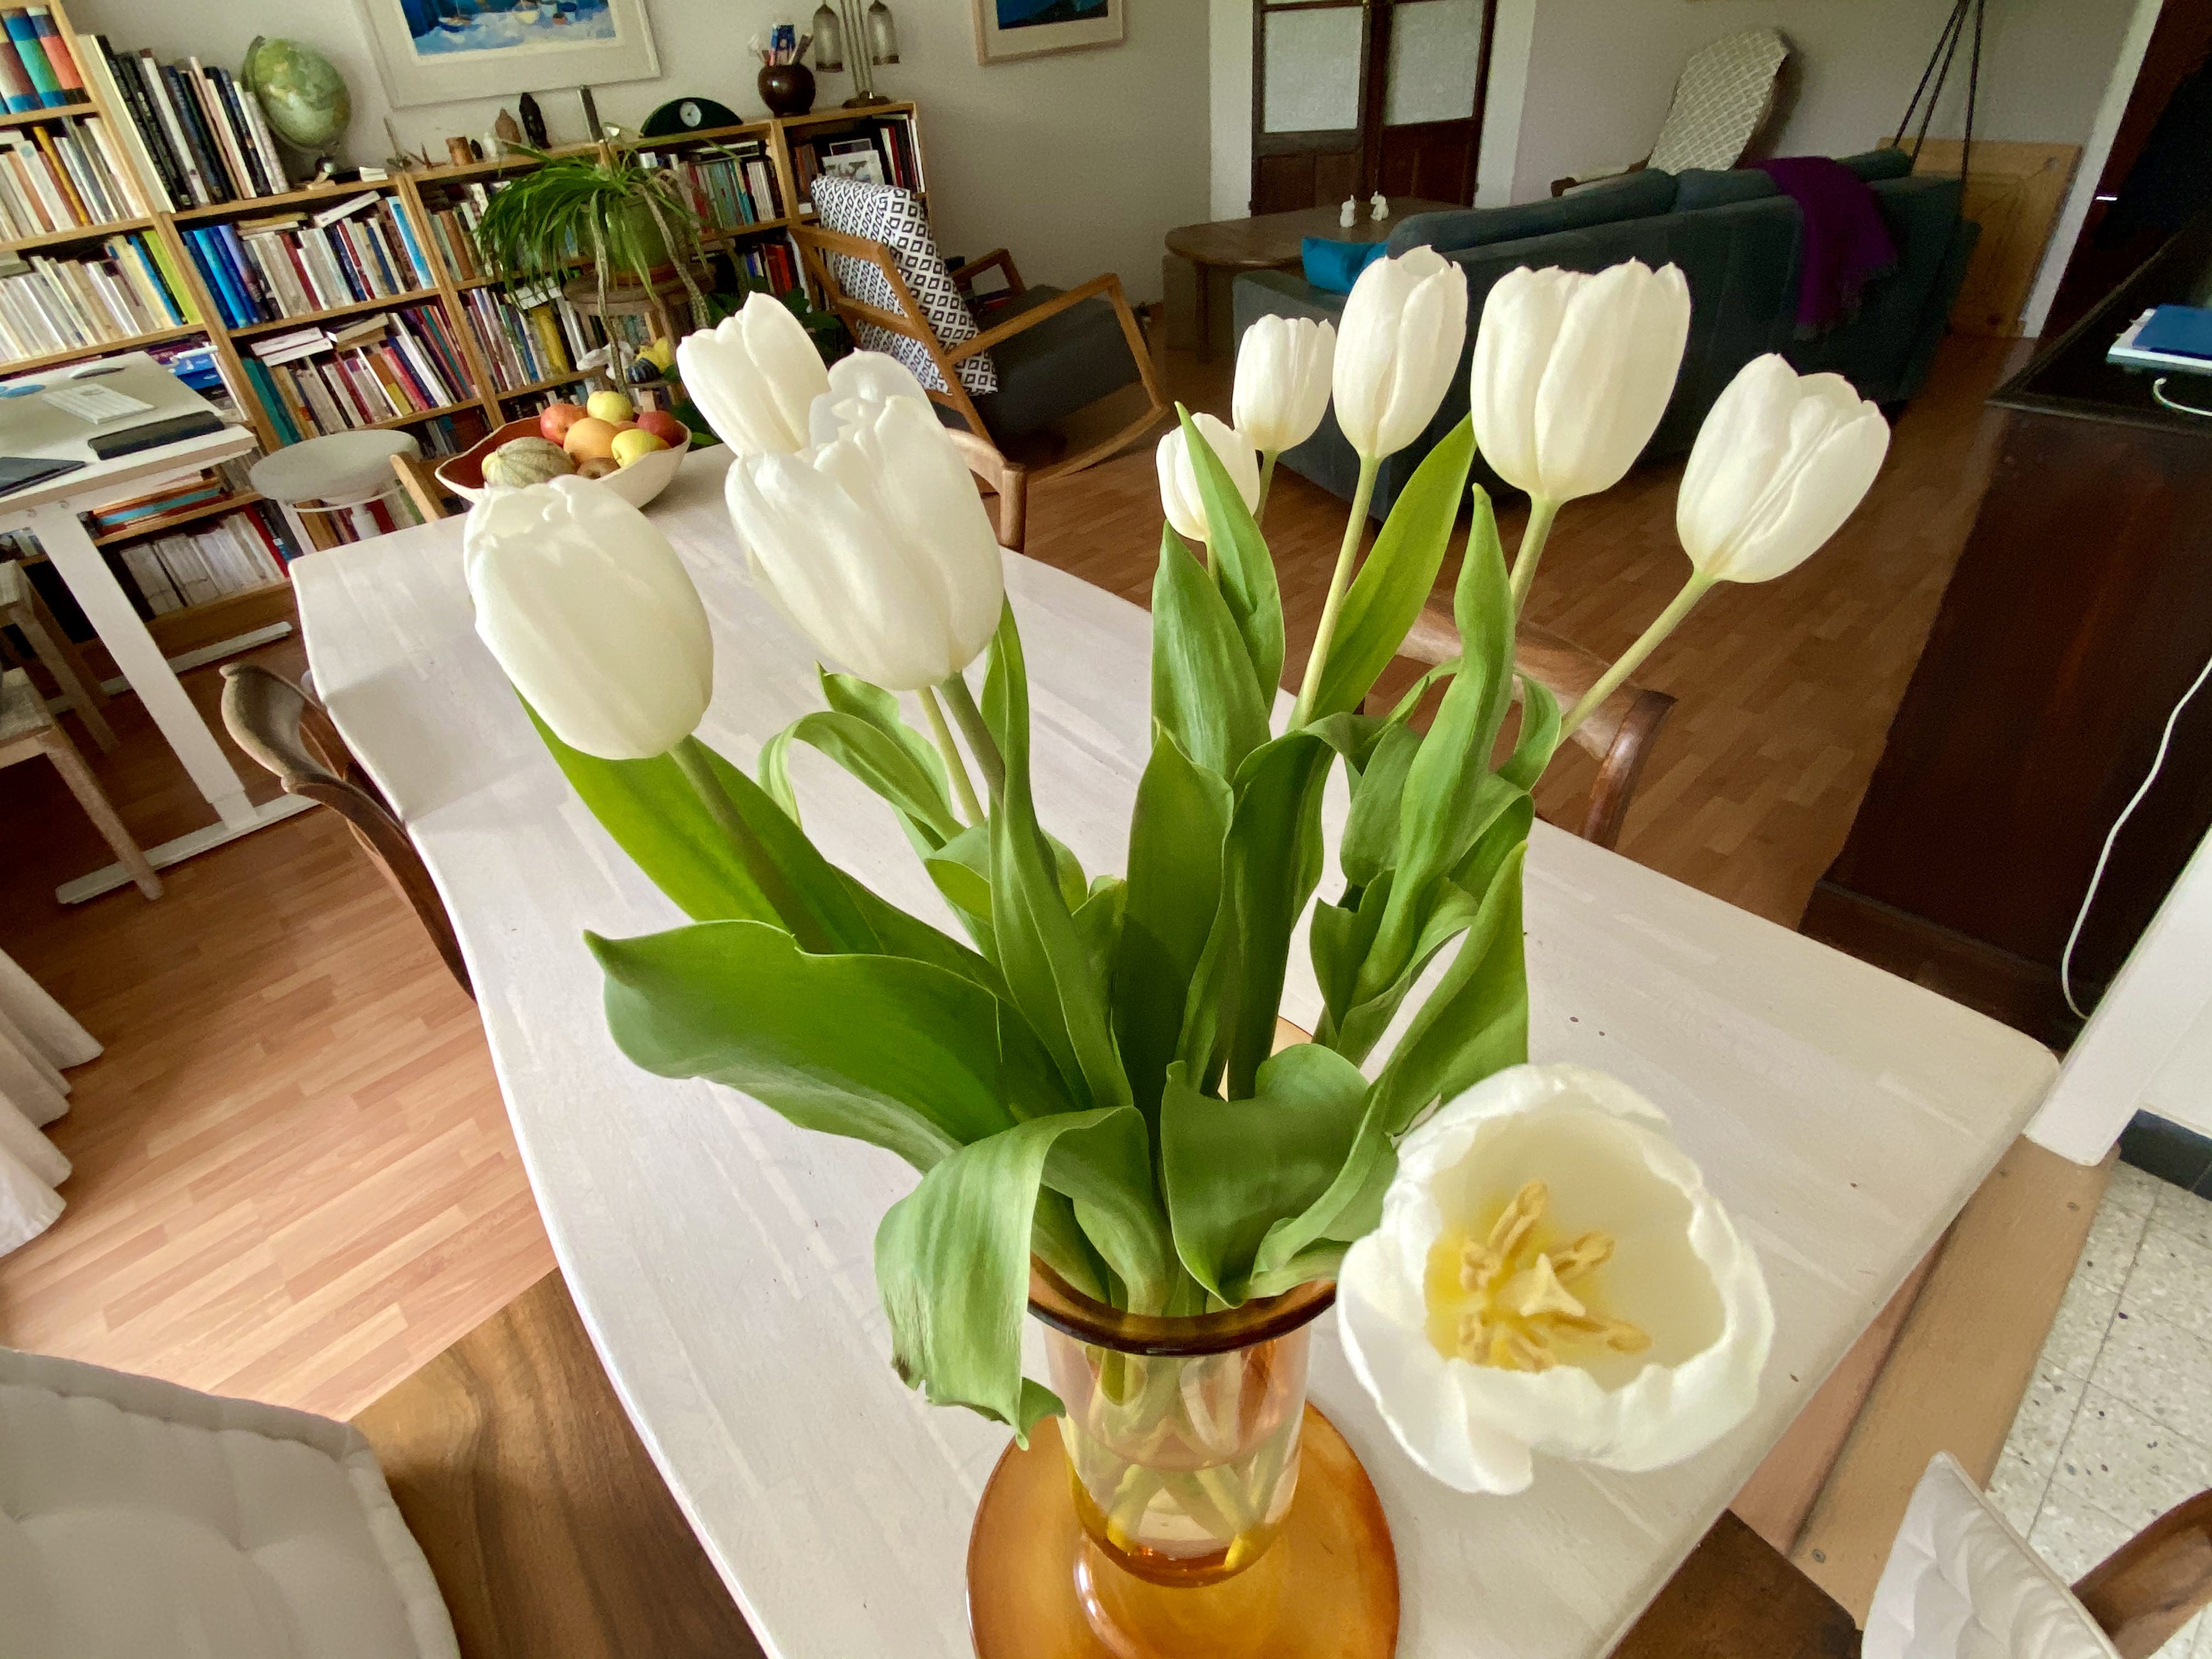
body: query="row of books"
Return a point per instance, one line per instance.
(528, 337)
(770, 266)
(313, 381)
(36, 69)
(881, 150)
(64, 176)
(295, 264)
(193, 361)
(727, 188)
(207, 488)
(229, 554)
(49, 305)
(199, 134)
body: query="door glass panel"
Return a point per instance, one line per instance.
(1436, 47)
(1313, 69)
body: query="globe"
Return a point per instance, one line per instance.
(304, 98)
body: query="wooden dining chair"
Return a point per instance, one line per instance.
(1009, 481)
(1738, 1597)
(280, 725)
(418, 477)
(1043, 354)
(1619, 734)
(27, 730)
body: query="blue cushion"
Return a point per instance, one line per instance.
(1705, 188)
(1875, 165)
(1334, 267)
(1637, 195)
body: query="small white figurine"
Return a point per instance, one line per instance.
(1379, 207)
(1350, 215)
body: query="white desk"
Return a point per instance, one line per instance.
(50, 510)
(721, 1259)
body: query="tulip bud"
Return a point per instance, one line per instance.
(1397, 348)
(591, 615)
(754, 376)
(1782, 460)
(860, 384)
(1283, 366)
(876, 545)
(1572, 372)
(1179, 497)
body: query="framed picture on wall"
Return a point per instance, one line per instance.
(434, 52)
(1008, 29)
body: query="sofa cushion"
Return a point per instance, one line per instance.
(895, 218)
(1698, 188)
(1875, 164)
(1334, 266)
(1636, 196)
(1071, 359)
(139, 1520)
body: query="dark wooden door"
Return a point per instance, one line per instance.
(1353, 96)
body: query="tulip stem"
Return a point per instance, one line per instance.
(1537, 531)
(951, 750)
(1355, 526)
(980, 743)
(697, 762)
(1267, 484)
(1633, 658)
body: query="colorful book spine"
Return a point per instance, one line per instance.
(15, 85)
(23, 36)
(59, 59)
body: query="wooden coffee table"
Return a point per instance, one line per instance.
(1268, 241)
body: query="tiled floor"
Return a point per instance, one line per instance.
(2118, 1427)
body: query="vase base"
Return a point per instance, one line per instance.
(1327, 1587)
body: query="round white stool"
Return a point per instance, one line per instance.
(336, 473)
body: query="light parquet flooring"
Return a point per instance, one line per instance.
(295, 1178)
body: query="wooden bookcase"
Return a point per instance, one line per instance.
(412, 194)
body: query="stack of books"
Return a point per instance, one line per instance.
(120, 516)
(729, 189)
(62, 305)
(295, 264)
(64, 176)
(528, 335)
(230, 554)
(202, 136)
(36, 69)
(317, 380)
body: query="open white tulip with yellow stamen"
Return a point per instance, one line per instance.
(1551, 1276)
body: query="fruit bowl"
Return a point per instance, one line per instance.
(636, 483)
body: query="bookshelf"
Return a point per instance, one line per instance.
(175, 240)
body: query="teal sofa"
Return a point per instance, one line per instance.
(1737, 238)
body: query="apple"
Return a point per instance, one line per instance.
(665, 427)
(589, 437)
(635, 441)
(598, 467)
(610, 407)
(556, 420)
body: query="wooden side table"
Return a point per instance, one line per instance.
(1268, 241)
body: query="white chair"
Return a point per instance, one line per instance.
(1725, 95)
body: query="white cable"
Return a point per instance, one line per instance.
(2165, 738)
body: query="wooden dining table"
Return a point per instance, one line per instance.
(721, 1259)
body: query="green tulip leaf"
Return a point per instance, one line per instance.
(873, 757)
(1540, 735)
(900, 1054)
(1273, 864)
(1233, 1169)
(952, 1255)
(1242, 564)
(1399, 574)
(1175, 835)
(1370, 830)
(1204, 692)
(850, 695)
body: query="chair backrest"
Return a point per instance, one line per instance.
(1619, 734)
(1723, 99)
(1008, 480)
(1959, 1582)
(291, 734)
(903, 270)
(419, 478)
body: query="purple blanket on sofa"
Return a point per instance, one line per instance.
(1846, 243)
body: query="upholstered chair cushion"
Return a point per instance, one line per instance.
(895, 218)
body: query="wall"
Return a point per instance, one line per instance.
(1079, 162)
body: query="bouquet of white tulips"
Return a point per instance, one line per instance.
(1086, 1069)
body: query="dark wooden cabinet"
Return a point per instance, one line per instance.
(2078, 616)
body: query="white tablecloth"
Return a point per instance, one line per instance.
(37, 1039)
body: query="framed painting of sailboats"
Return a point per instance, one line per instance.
(435, 51)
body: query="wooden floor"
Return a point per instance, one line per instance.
(294, 1176)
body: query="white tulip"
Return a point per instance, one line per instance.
(1572, 372)
(860, 383)
(1397, 348)
(1283, 366)
(1626, 1324)
(876, 545)
(591, 615)
(1179, 497)
(754, 376)
(1782, 460)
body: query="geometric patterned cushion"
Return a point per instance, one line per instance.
(1723, 98)
(894, 218)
